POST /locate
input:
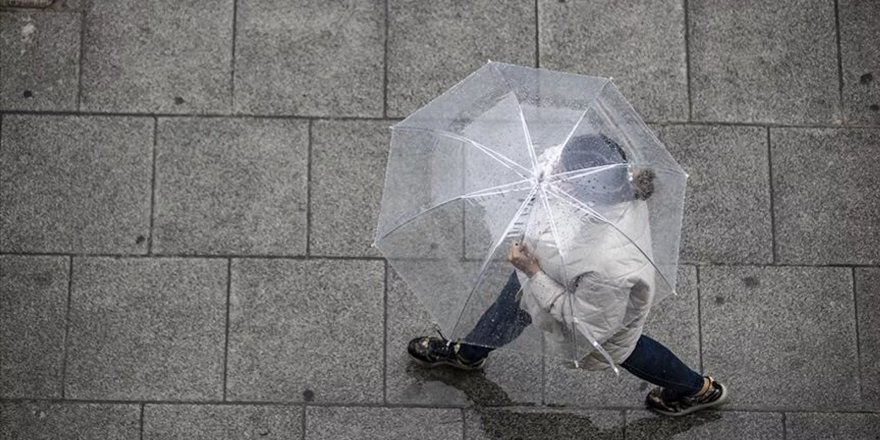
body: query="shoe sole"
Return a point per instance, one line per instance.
(721, 401)
(441, 363)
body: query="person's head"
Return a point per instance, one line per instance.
(611, 185)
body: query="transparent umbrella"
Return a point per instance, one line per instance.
(558, 163)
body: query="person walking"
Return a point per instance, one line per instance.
(605, 296)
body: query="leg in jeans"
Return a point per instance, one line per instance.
(653, 362)
(503, 322)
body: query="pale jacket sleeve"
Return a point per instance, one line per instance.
(599, 307)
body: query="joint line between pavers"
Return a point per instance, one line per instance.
(309, 189)
(463, 430)
(143, 405)
(687, 61)
(66, 326)
(232, 60)
(699, 319)
(784, 427)
(197, 256)
(537, 34)
(153, 186)
(379, 118)
(839, 63)
(855, 291)
(385, 65)
(226, 341)
(82, 45)
(304, 412)
(385, 338)
(524, 405)
(774, 258)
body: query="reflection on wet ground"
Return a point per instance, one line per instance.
(495, 421)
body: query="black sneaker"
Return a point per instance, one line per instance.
(715, 396)
(431, 352)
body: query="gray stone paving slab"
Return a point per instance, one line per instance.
(721, 425)
(509, 377)
(306, 331)
(157, 56)
(860, 60)
(33, 314)
(640, 44)
(824, 181)
(39, 55)
(231, 186)
(764, 62)
(340, 423)
(543, 423)
(208, 422)
(310, 58)
(146, 329)
(727, 215)
(348, 170)
(764, 324)
(815, 426)
(674, 322)
(434, 45)
(68, 421)
(75, 184)
(867, 304)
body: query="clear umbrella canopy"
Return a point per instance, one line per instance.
(488, 163)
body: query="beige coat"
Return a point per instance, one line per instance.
(610, 281)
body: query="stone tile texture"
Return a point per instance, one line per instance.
(208, 422)
(761, 324)
(341, 423)
(189, 192)
(643, 425)
(310, 58)
(306, 331)
(162, 56)
(824, 183)
(231, 187)
(75, 184)
(348, 171)
(867, 303)
(727, 215)
(511, 377)
(533, 423)
(149, 329)
(815, 426)
(434, 45)
(860, 60)
(33, 316)
(614, 39)
(68, 421)
(764, 62)
(40, 58)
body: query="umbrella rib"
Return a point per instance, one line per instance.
(581, 118)
(522, 118)
(574, 174)
(494, 249)
(495, 190)
(574, 321)
(504, 160)
(575, 203)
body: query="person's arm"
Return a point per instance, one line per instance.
(598, 307)
(546, 293)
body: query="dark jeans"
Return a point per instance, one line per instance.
(651, 361)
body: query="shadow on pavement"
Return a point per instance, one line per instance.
(533, 423)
